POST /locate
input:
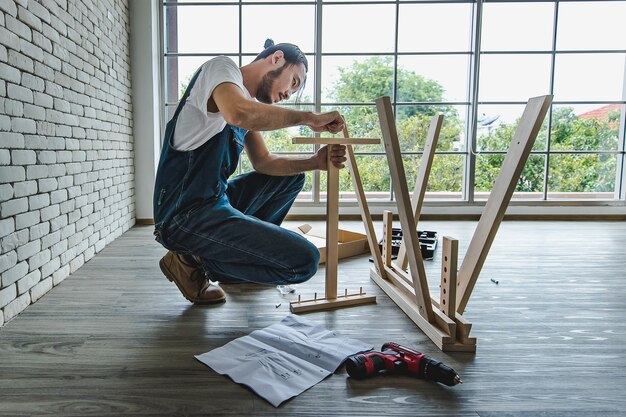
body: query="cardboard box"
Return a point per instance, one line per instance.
(350, 243)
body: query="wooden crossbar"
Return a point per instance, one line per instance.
(301, 140)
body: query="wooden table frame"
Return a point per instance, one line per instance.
(442, 321)
(331, 299)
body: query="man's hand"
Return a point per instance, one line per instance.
(337, 156)
(326, 122)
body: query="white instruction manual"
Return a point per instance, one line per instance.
(284, 359)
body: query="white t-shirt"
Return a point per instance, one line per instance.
(195, 124)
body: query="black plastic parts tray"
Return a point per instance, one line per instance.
(427, 239)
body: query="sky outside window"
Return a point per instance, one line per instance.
(434, 27)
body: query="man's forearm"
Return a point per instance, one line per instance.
(264, 117)
(281, 166)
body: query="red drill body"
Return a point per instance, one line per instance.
(397, 358)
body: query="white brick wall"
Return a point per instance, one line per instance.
(66, 154)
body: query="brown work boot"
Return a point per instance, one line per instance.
(190, 280)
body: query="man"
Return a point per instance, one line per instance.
(227, 230)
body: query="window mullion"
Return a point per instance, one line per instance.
(546, 171)
(317, 99)
(620, 189)
(470, 162)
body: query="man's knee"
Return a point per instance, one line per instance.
(314, 260)
(309, 261)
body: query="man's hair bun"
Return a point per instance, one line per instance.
(293, 55)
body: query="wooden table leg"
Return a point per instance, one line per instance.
(332, 225)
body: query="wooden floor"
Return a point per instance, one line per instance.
(117, 339)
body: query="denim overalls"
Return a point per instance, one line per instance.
(232, 226)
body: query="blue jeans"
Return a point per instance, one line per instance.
(238, 237)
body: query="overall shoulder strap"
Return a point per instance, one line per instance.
(181, 103)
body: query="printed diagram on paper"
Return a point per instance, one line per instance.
(284, 359)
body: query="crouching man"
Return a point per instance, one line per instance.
(228, 230)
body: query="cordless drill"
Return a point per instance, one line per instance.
(397, 358)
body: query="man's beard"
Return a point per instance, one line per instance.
(264, 92)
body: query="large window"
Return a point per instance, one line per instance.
(476, 62)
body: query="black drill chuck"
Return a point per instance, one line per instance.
(439, 372)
